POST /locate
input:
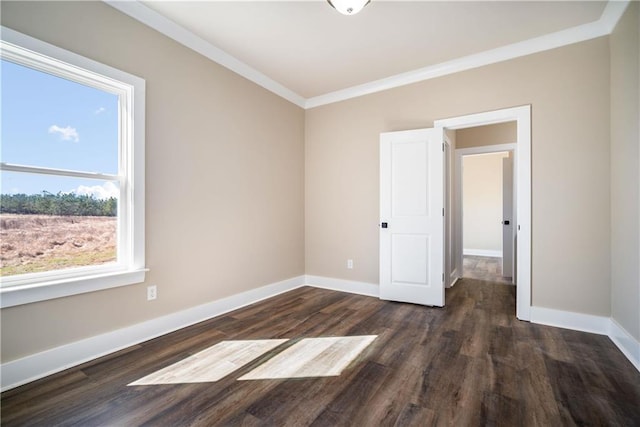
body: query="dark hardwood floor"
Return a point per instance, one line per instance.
(468, 364)
(483, 268)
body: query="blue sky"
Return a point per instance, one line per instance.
(52, 122)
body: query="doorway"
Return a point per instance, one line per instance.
(522, 196)
(486, 188)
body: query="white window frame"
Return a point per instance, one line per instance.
(130, 265)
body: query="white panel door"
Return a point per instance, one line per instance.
(507, 217)
(412, 216)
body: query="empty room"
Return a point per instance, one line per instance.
(341, 212)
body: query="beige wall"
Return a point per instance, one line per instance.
(482, 202)
(225, 179)
(625, 172)
(226, 160)
(568, 89)
(479, 136)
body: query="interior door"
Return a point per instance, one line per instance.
(507, 216)
(412, 216)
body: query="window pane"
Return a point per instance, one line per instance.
(52, 223)
(52, 122)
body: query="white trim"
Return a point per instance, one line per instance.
(627, 344)
(9, 167)
(454, 279)
(504, 53)
(24, 294)
(130, 266)
(39, 365)
(612, 14)
(68, 64)
(570, 320)
(353, 287)
(155, 20)
(522, 153)
(458, 155)
(602, 27)
(486, 149)
(483, 252)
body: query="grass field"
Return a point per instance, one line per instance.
(35, 243)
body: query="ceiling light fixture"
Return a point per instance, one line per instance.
(348, 7)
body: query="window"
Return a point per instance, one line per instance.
(71, 173)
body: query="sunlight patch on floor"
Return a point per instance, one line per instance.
(309, 357)
(211, 364)
(312, 357)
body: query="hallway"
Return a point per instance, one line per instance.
(483, 268)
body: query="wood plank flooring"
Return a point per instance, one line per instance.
(468, 364)
(211, 364)
(483, 268)
(312, 357)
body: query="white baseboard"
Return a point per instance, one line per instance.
(455, 280)
(601, 325)
(35, 366)
(570, 320)
(482, 252)
(628, 345)
(353, 287)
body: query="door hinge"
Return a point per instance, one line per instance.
(443, 277)
(442, 211)
(443, 147)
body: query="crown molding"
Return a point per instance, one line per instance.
(158, 22)
(612, 14)
(602, 27)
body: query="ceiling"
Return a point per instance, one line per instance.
(311, 50)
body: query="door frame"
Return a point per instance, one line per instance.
(522, 116)
(450, 271)
(509, 215)
(458, 194)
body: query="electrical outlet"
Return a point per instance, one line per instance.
(350, 264)
(152, 292)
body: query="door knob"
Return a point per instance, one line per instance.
(505, 222)
(383, 225)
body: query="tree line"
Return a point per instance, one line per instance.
(65, 204)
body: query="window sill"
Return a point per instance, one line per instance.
(25, 294)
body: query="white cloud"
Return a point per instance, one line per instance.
(105, 191)
(67, 134)
(100, 110)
